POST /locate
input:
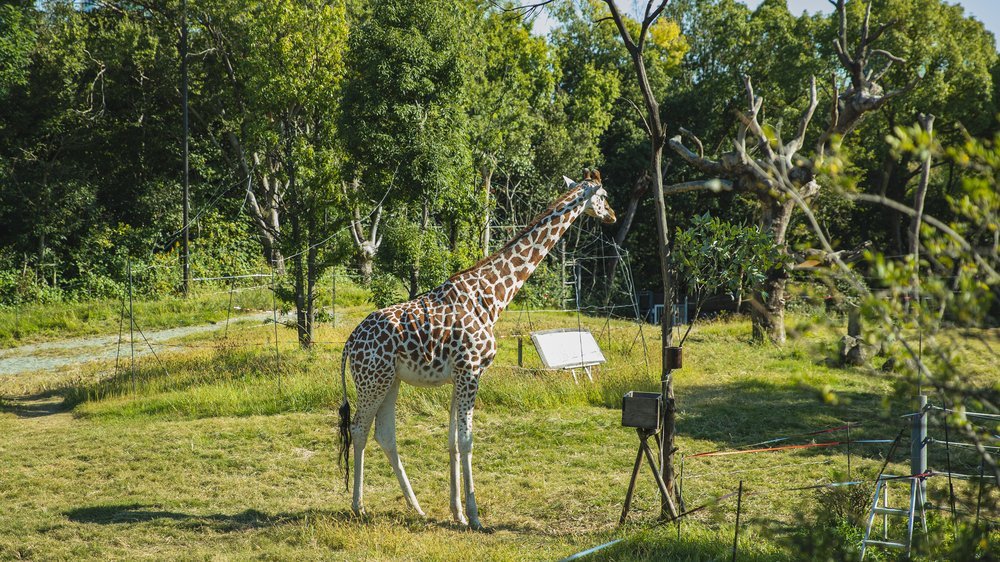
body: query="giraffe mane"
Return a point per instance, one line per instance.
(524, 231)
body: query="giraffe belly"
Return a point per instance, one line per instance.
(435, 373)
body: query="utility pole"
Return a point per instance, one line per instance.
(185, 250)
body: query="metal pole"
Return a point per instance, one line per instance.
(979, 500)
(333, 299)
(131, 325)
(951, 485)
(918, 443)
(186, 257)
(739, 505)
(121, 326)
(274, 317)
(229, 309)
(848, 450)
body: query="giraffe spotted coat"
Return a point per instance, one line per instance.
(446, 336)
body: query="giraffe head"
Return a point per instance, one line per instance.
(597, 204)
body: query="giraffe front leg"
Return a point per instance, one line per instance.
(455, 475)
(466, 395)
(385, 435)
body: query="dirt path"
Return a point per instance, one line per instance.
(56, 354)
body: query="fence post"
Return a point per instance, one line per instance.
(918, 443)
(274, 317)
(131, 325)
(229, 309)
(736, 534)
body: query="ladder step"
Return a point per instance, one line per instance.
(891, 511)
(886, 543)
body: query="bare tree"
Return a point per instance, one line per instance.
(656, 130)
(367, 240)
(754, 161)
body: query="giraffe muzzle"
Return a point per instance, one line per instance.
(610, 218)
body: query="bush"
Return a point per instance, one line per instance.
(385, 290)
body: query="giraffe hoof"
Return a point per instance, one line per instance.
(360, 512)
(475, 525)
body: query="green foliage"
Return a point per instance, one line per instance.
(17, 38)
(385, 290)
(714, 255)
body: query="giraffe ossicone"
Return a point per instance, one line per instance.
(446, 336)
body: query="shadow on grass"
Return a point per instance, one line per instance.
(740, 413)
(33, 405)
(126, 514)
(250, 519)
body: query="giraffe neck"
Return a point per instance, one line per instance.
(500, 276)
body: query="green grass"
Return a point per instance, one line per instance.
(32, 323)
(230, 453)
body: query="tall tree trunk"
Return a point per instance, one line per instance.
(365, 266)
(667, 447)
(311, 274)
(657, 137)
(487, 177)
(425, 220)
(300, 241)
(921, 194)
(625, 224)
(768, 312)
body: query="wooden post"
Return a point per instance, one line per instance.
(631, 487)
(671, 360)
(520, 351)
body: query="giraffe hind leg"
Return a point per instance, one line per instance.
(455, 476)
(385, 435)
(370, 397)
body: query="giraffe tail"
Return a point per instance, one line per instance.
(345, 425)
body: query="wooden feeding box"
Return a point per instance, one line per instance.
(641, 410)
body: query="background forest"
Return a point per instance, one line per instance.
(400, 141)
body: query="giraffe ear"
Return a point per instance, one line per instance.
(586, 173)
(597, 176)
(569, 182)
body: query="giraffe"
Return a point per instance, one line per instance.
(446, 336)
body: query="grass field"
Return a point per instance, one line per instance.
(227, 451)
(34, 323)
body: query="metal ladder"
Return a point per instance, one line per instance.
(916, 499)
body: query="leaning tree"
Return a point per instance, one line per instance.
(758, 152)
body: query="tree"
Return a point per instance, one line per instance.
(403, 123)
(46, 107)
(657, 135)
(713, 256)
(752, 168)
(588, 52)
(956, 57)
(514, 79)
(269, 100)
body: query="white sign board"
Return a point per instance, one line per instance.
(567, 348)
